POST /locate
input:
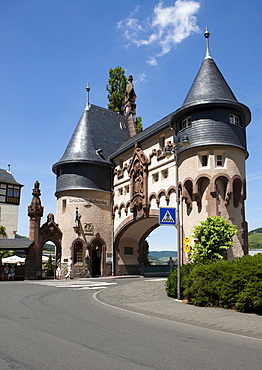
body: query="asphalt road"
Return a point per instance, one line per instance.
(61, 326)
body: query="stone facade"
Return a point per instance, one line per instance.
(96, 225)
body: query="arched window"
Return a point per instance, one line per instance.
(78, 252)
(237, 186)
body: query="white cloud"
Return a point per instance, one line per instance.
(165, 28)
(139, 78)
(254, 176)
(152, 61)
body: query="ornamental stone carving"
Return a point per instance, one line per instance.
(138, 173)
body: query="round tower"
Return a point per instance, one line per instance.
(212, 175)
(84, 191)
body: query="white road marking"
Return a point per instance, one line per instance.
(75, 285)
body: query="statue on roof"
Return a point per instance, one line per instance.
(130, 95)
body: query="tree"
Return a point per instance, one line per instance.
(49, 266)
(214, 237)
(116, 89)
(145, 253)
(2, 231)
(4, 254)
(139, 125)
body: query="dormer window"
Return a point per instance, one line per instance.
(186, 123)
(235, 120)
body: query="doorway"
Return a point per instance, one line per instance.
(96, 254)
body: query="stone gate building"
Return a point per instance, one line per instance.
(112, 181)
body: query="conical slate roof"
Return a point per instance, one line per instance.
(98, 134)
(8, 178)
(209, 85)
(210, 88)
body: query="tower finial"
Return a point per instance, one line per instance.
(207, 34)
(87, 96)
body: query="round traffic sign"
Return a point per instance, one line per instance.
(187, 248)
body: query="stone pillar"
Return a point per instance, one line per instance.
(34, 257)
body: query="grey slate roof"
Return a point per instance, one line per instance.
(208, 89)
(209, 85)
(7, 178)
(98, 128)
(13, 244)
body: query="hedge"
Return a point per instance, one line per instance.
(233, 284)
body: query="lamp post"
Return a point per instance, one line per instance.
(172, 148)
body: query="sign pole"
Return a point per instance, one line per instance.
(177, 219)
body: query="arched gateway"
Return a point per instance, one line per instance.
(49, 231)
(112, 181)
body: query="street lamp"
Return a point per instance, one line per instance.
(172, 148)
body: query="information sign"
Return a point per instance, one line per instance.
(167, 216)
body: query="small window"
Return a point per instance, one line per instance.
(121, 163)
(126, 189)
(63, 206)
(186, 123)
(120, 192)
(9, 192)
(155, 177)
(16, 193)
(165, 174)
(128, 250)
(162, 142)
(204, 160)
(235, 120)
(122, 125)
(219, 160)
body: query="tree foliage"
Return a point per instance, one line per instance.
(49, 266)
(116, 89)
(214, 237)
(145, 253)
(139, 125)
(4, 254)
(2, 231)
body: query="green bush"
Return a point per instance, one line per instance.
(233, 284)
(171, 283)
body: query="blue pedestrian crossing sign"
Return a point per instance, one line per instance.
(167, 216)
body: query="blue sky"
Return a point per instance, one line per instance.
(50, 49)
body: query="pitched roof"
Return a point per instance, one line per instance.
(21, 243)
(209, 85)
(8, 178)
(98, 134)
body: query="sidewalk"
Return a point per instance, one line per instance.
(148, 296)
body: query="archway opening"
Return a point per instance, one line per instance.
(49, 260)
(162, 245)
(131, 254)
